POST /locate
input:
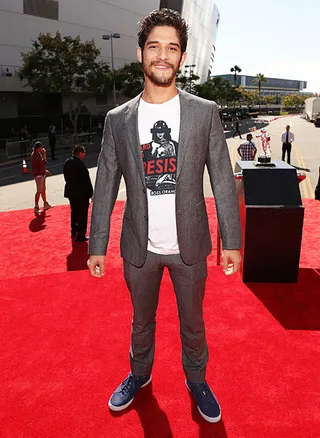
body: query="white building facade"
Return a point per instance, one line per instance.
(21, 22)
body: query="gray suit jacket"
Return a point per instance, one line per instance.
(201, 142)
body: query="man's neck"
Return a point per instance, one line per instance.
(155, 94)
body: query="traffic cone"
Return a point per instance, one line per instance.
(24, 166)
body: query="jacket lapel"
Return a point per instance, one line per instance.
(185, 126)
(132, 134)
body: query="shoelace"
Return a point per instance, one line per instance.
(127, 385)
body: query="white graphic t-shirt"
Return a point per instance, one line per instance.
(159, 126)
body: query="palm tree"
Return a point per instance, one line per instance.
(236, 69)
(258, 80)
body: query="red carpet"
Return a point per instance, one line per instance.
(65, 340)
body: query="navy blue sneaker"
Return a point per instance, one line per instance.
(123, 396)
(207, 404)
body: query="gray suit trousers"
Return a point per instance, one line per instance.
(189, 286)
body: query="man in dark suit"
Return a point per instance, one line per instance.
(161, 142)
(79, 190)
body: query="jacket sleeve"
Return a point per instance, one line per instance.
(85, 178)
(89, 187)
(105, 192)
(223, 185)
(66, 171)
(82, 178)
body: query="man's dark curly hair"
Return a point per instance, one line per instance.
(163, 17)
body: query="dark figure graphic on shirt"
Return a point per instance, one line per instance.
(160, 160)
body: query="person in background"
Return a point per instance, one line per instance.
(165, 223)
(237, 131)
(247, 150)
(287, 137)
(78, 190)
(52, 140)
(39, 172)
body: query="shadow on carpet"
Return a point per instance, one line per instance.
(294, 306)
(77, 259)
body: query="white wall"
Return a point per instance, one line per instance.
(87, 18)
(92, 18)
(11, 5)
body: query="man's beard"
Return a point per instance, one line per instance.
(162, 81)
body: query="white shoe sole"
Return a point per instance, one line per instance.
(123, 407)
(209, 419)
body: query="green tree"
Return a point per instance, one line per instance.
(250, 98)
(269, 100)
(217, 89)
(187, 82)
(130, 79)
(207, 91)
(294, 101)
(57, 64)
(258, 80)
(236, 69)
(239, 95)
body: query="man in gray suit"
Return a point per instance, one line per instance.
(160, 143)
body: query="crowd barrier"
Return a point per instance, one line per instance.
(22, 149)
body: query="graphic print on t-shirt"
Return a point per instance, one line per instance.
(160, 160)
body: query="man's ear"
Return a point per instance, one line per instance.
(183, 59)
(139, 55)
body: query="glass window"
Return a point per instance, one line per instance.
(42, 8)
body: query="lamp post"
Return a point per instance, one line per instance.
(190, 67)
(110, 37)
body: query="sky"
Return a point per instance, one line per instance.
(278, 38)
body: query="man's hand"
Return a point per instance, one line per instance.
(231, 261)
(96, 265)
(48, 173)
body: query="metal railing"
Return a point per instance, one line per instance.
(16, 149)
(23, 148)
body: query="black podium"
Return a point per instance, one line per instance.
(272, 219)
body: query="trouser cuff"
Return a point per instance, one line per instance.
(196, 376)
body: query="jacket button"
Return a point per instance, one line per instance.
(146, 218)
(144, 191)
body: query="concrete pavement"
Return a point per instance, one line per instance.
(305, 151)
